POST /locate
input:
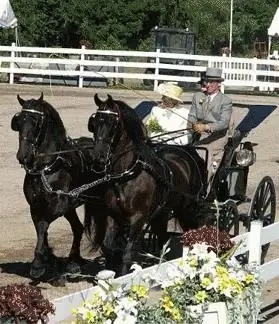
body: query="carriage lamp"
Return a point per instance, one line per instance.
(245, 157)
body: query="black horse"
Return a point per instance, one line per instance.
(145, 183)
(54, 165)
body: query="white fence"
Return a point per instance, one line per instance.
(250, 242)
(79, 64)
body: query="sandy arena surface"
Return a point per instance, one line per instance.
(17, 234)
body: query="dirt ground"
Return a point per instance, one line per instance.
(17, 234)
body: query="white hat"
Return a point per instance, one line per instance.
(171, 90)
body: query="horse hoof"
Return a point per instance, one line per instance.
(37, 272)
(73, 267)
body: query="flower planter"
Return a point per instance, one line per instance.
(181, 290)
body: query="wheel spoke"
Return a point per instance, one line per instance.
(266, 205)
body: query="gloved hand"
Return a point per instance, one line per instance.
(200, 128)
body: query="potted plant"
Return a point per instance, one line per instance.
(21, 303)
(202, 279)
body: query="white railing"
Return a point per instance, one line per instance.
(250, 242)
(59, 62)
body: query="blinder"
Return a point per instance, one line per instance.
(14, 122)
(90, 125)
(37, 127)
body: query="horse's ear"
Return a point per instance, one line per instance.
(41, 97)
(20, 100)
(97, 100)
(14, 122)
(110, 100)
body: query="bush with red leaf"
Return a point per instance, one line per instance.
(219, 241)
(22, 302)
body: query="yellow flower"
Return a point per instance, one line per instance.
(96, 299)
(181, 263)
(91, 316)
(140, 291)
(221, 271)
(193, 262)
(206, 282)
(168, 305)
(108, 309)
(201, 296)
(236, 286)
(176, 314)
(249, 278)
(170, 308)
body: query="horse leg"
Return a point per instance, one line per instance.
(77, 229)
(159, 226)
(38, 265)
(135, 228)
(113, 245)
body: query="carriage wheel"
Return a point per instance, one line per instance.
(229, 219)
(262, 207)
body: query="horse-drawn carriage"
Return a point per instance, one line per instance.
(227, 194)
(122, 174)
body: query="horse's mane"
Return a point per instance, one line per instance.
(132, 123)
(55, 124)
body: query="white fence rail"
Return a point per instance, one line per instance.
(82, 63)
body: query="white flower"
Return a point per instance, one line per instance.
(127, 304)
(124, 318)
(117, 293)
(105, 275)
(200, 250)
(152, 277)
(137, 268)
(103, 285)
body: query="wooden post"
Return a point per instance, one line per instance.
(12, 64)
(254, 242)
(157, 68)
(254, 71)
(81, 67)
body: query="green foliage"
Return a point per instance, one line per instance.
(121, 24)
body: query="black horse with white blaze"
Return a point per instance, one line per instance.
(55, 165)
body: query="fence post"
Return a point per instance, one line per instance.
(254, 241)
(157, 68)
(81, 67)
(116, 70)
(12, 64)
(254, 71)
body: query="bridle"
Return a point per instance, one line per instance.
(38, 126)
(111, 140)
(34, 142)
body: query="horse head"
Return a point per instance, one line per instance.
(104, 125)
(32, 125)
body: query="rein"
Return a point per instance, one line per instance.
(65, 151)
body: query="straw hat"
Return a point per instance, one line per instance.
(214, 74)
(171, 90)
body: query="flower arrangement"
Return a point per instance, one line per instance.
(217, 240)
(153, 126)
(23, 303)
(187, 287)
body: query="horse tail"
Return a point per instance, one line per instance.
(95, 224)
